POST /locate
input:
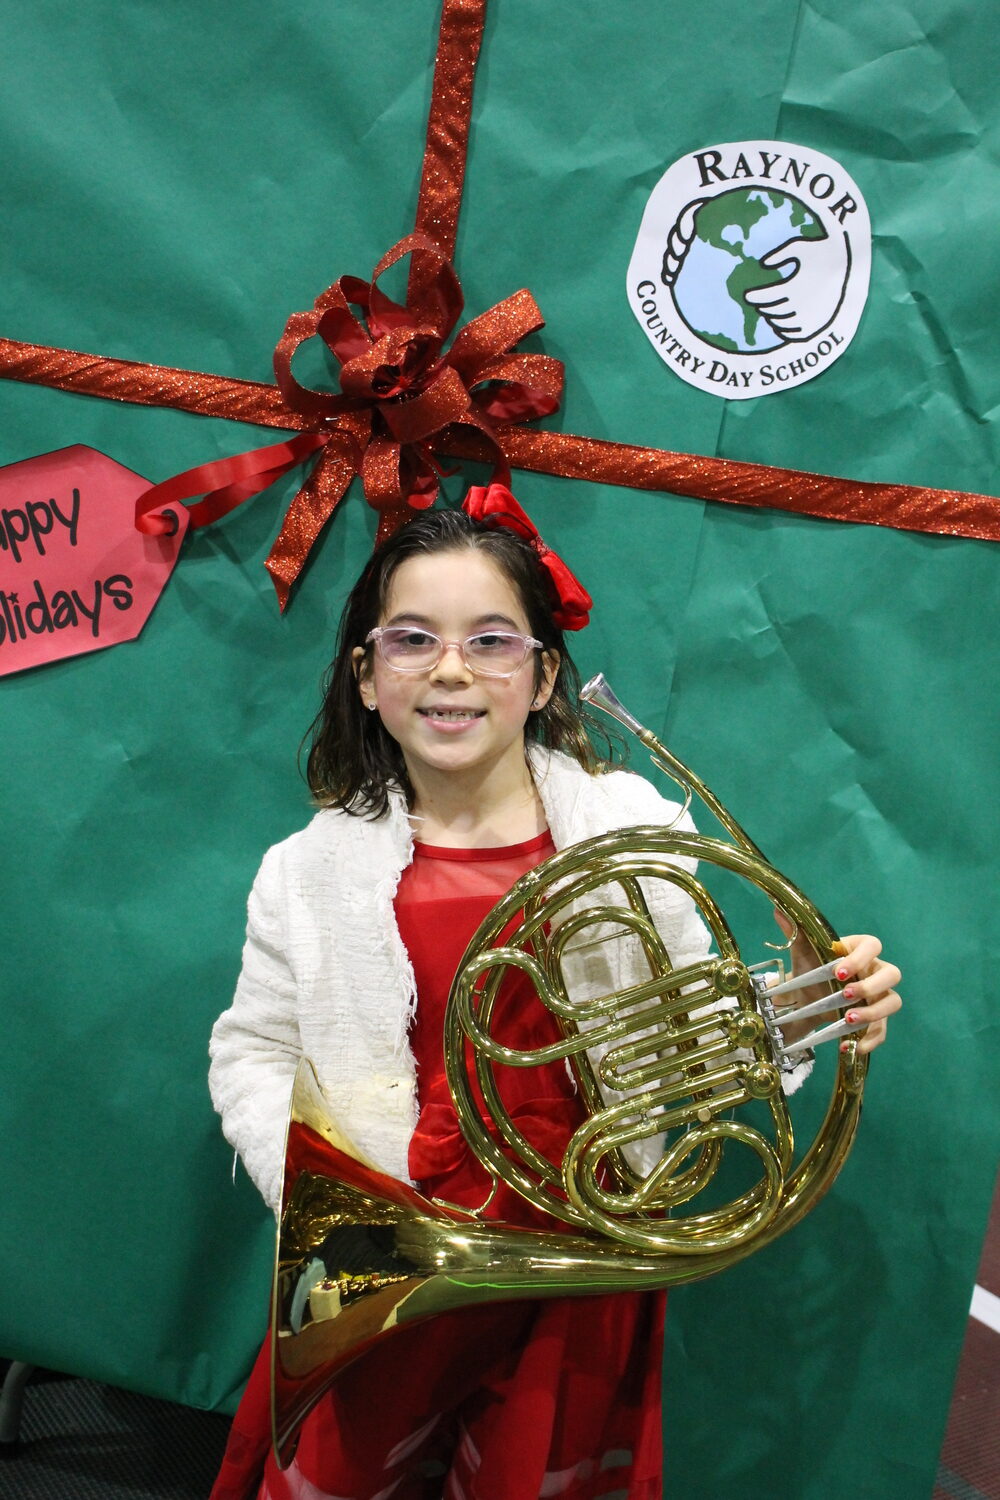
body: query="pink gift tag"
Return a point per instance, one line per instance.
(75, 575)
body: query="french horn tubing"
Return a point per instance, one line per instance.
(693, 1056)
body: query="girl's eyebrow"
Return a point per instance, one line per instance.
(411, 617)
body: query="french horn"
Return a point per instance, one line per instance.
(692, 1056)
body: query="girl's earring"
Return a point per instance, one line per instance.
(371, 706)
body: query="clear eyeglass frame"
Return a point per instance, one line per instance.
(381, 633)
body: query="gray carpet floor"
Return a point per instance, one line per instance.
(82, 1441)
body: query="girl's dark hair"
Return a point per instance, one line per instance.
(352, 761)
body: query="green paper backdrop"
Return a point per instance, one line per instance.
(176, 180)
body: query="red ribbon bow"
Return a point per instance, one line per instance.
(495, 506)
(400, 390)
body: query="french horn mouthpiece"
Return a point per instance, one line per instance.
(599, 692)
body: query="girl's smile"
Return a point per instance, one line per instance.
(445, 718)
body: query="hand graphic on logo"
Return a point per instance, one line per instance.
(809, 297)
(679, 241)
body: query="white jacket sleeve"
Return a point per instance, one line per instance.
(690, 941)
(687, 940)
(255, 1045)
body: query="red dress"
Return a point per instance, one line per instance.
(507, 1402)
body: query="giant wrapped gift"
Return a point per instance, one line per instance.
(179, 184)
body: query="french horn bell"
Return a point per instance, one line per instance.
(692, 1056)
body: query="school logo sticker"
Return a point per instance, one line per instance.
(750, 272)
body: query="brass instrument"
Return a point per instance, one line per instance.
(674, 1055)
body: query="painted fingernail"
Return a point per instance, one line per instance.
(852, 1016)
(849, 992)
(841, 973)
(844, 1046)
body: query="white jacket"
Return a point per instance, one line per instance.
(325, 972)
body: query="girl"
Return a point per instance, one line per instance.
(450, 757)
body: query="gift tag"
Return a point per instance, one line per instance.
(75, 574)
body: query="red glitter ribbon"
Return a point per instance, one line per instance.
(405, 402)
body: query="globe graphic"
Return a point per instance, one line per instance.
(732, 232)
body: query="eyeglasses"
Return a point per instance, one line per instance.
(488, 653)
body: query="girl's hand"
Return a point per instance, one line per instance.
(869, 986)
(868, 983)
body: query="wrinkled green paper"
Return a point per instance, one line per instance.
(176, 181)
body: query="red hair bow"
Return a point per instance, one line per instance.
(494, 505)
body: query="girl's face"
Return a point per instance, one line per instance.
(447, 719)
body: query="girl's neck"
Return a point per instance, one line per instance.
(479, 813)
